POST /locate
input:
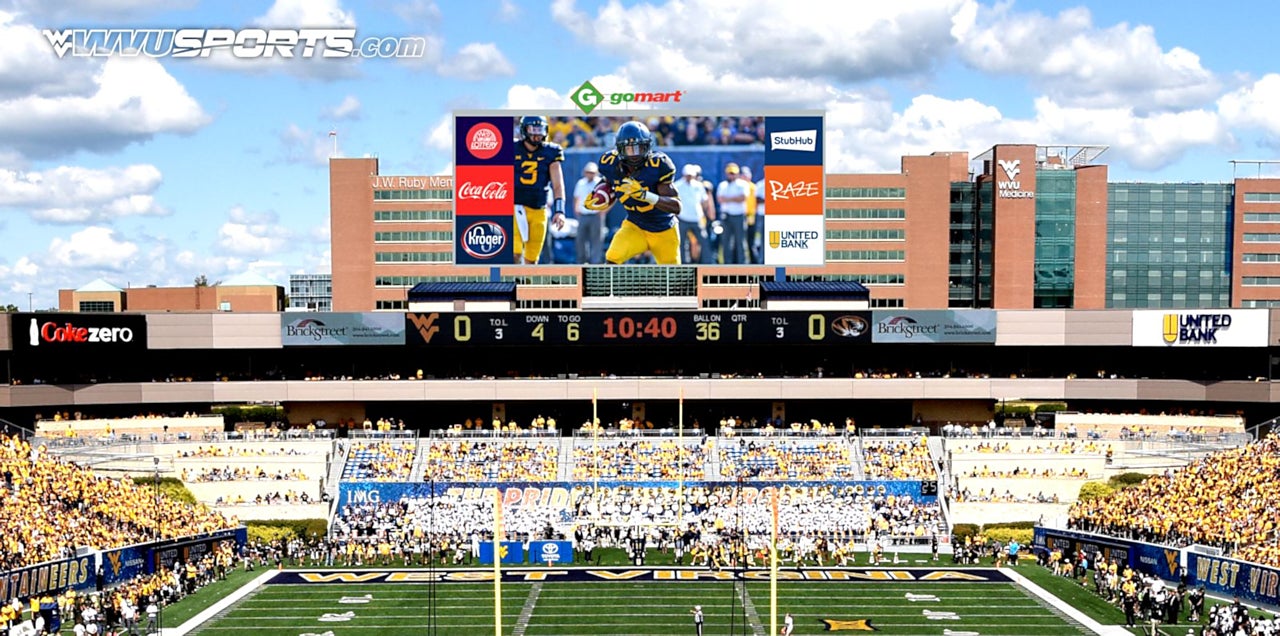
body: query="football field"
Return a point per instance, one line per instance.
(641, 603)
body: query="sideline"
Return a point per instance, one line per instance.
(1062, 606)
(216, 608)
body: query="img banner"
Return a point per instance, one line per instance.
(556, 495)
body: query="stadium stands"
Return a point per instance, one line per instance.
(898, 459)
(479, 460)
(1224, 500)
(637, 459)
(54, 508)
(379, 461)
(774, 458)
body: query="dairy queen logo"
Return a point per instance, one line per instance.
(492, 191)
(484, 240)
(483, 141)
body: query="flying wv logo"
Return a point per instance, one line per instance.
(1012, 167)
(426, 325)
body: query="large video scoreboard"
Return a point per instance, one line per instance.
(638, 327)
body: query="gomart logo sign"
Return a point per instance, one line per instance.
(77, 331)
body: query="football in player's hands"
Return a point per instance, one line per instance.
(602, 196)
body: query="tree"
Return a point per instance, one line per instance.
(11, 308)
(202, 281)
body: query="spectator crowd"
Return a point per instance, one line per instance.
(1226, 500)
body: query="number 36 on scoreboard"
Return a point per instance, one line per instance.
(638, 327)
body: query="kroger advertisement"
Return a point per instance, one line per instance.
(334, 329)
(1201, 328)
(653, 188)
(947, 326)
(1222, 576)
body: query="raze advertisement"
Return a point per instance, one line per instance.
(79, 333)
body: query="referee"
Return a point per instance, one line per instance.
(697, 618)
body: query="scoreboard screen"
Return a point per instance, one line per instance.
(638, 327)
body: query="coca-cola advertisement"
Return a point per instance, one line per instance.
(78, 332)
(492, 191)
(483, 141)
(483, 190)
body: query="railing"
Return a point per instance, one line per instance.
(641, 432)
(400, 435)
(122, 439)
(479, 433)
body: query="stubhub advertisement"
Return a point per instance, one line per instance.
(793, 141)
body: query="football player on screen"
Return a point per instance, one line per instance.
(641, 178)
(537, 166)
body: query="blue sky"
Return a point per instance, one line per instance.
(152, 171)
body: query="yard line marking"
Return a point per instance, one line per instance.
(753, 617)
(526, 612)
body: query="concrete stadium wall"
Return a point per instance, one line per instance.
(984, 513)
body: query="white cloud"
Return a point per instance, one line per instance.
(23, 268)
(320, 233)
(508, 11)
(316, 263)
(83, 10)
(73, 194)
(306, 147)
(29, 65)
(296, 14)
(440, 137)
(1146, 142)
(134, 99)
(864, 133)
(1255, 106)
(347, 109)
(306, 14)
(1081, 64)
(247, 234)
(477, 61)
(849, 41)
(93, 248)
(417, 13)
(536, 97)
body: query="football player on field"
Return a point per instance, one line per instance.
(537, 166)
(641, 178)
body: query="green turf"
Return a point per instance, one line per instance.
(638, 609)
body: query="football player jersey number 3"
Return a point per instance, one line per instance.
(529, 170)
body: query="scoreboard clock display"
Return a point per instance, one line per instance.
(638, 327)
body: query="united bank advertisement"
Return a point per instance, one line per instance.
(1201, 328)
(931, 326)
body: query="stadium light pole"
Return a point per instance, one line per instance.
(432, 616)
(155, 491)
